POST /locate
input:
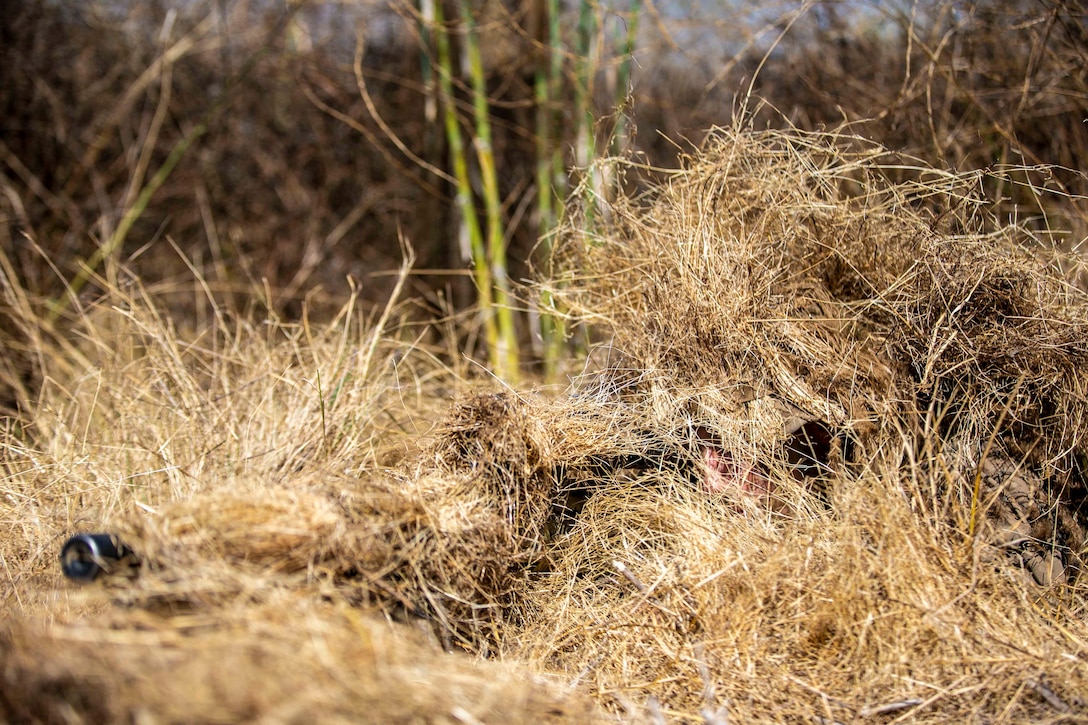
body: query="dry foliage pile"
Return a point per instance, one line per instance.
(830, 468)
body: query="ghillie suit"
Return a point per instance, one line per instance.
(781, 298)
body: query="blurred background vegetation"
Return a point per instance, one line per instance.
(283, 151)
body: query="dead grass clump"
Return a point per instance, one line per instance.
(249, 468)
(291, 660)
(1005, 337)
(452, 560)
(274, 530)
(504, 443)
(822, 330)
(664, 600)
(509, 475)
(787, 268)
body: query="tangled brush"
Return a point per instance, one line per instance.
(832, 467)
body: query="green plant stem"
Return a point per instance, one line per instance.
(583, 102)
(555, 72)
(137, 208)
(496, 243)
(623, 77)
(548, 182)
(87, 268)
(469, 220)
(585, 123)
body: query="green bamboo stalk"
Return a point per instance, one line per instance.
(496, 247)
(550, 184)
(584, 118)
(587, 30)
(623, 78)
(560, 177)
(543, 95)
(551, 172)
(464, 200)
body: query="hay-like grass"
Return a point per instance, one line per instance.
(248, 465)
(292, 659)
(831, 469)
(776, 279)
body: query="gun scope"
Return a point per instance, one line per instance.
(85, 557)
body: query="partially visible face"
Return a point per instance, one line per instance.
(725, 471)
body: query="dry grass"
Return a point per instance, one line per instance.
(829, 467)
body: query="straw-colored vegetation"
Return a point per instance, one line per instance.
(890, 526)
(824, 460)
